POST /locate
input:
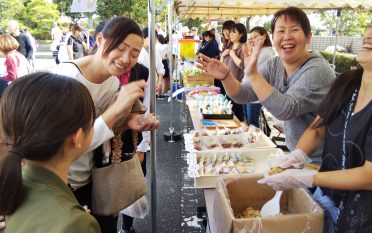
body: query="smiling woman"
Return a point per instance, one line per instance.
(290, 86)
(118, 48)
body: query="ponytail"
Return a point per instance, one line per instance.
(11, 188)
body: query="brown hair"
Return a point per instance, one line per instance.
(8, 43)
(35, 121)
(227, 25)
(295, 14)
(76, 27)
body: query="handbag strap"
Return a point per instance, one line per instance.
(117, 145)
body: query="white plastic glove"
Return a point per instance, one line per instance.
(290, 178)
(296, 159)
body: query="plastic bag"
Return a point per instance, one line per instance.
(138, 209)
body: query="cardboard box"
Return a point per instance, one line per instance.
(202, 79)
(234, 194)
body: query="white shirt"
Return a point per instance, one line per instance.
(79, 173)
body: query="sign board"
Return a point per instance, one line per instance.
(83, 6)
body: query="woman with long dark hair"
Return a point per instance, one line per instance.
(344, 124)
(45, 136)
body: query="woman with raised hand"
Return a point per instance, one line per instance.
(45, 136)
(118, 47)
(344, 124)
(291, 86)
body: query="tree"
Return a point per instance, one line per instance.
(111, 8)
(134, 9)
(64, 6)
(39, 17)
(10, 10)
(351, 22)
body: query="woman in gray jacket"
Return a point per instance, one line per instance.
(290, 86)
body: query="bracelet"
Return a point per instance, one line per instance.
(226, 76)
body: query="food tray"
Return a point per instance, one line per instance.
(261, 163)
(218, 116)
(261, 142)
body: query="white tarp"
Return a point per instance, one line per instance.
(245, 8)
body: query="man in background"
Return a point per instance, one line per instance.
(25, 46)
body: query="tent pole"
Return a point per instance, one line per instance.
(335, 49)
(151, 20)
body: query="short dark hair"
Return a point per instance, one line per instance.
(262, 31)
(208, 33)
(295, 14)
(242, 30)
(145, 33)
(36, 129)
(116, 30)
(99, 29)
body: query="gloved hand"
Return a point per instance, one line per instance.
(290, 178)
(297, 159)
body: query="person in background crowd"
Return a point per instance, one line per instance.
(234, 59)
(159, 30)
(217, 35)
(144, 59)
(252, 110)
(162, 48)
(34, 45)
(209, 46)
(291, 86)
(75, 44)
(226, 30)
(16, 64)
(118, 47)
(25, 46)
(344, 124)
(194, 32)
(226, 44)
(56, 33)
(49, 136)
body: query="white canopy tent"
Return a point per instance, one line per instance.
(246, 8)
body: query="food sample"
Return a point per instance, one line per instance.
(275, 170)
(223, 163)
(249, 213)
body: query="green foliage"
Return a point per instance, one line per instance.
(10, 10)
(64, 6)
(39, 16)
(134, 9)
(351, 22)
(189, 22)
(267, 25)
(343, 60)
(139, 12)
